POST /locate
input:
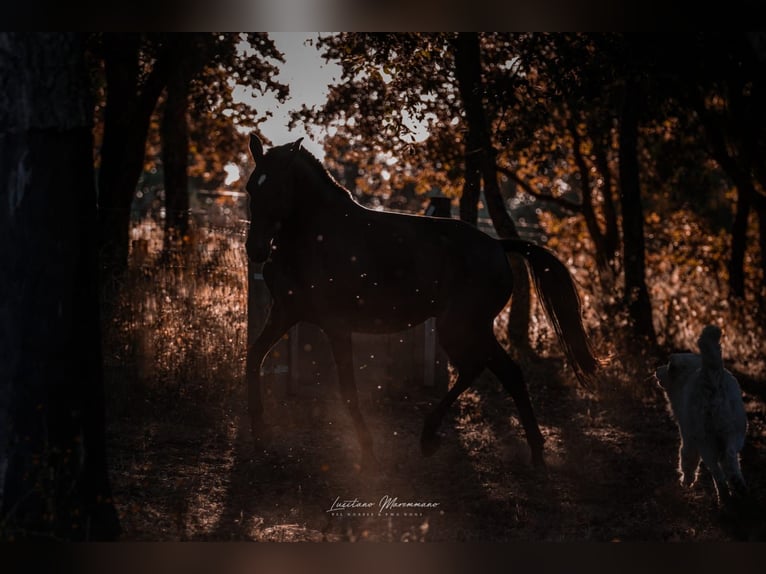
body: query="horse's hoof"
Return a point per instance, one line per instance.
(429, 443)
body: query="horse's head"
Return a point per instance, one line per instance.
(271, 195)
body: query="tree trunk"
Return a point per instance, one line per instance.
(186, 55)
(53, 450)
(759, 206)
(589, 214)
(129, 105)
(120, 163)
(501, 219)
(175, 150)
(761, 211)
(739, 245)
(479, 143)
(636, 294)
(748, 199)
(746, 194)
(521, 302)
(612, 233)
(469, 198)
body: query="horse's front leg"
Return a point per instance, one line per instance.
(280, 319)
(342, 352)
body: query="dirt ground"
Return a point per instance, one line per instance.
(187, 469)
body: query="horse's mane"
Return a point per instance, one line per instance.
(321, 172)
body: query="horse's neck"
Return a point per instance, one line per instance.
(318, 194)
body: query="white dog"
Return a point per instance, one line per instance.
(706, 402)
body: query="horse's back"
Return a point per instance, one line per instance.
(382, 271)
(452, 241)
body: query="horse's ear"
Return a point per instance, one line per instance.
(296, 145)
(256, 147)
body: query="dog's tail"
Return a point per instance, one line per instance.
(709, 344)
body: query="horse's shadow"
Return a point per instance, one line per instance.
(282, 489)
(278, 486)
(485, 493)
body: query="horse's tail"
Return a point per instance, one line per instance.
(558, 294)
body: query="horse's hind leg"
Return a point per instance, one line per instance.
(511, 377)
(469, 357)
(429, 439)
(277, 324)
(342, 352)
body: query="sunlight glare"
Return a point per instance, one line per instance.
(418, 129)
(232, 173)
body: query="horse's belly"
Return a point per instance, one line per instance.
(373, 314)
(380, 324)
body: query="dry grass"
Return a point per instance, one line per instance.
(179, 325)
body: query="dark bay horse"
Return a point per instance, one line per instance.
(345, 268)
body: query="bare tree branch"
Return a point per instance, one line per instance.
(524, 185)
